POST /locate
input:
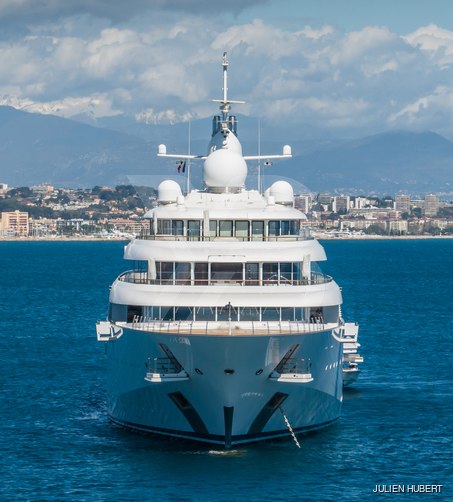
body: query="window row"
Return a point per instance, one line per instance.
(229, 228)
(228, 312)
(205, 273)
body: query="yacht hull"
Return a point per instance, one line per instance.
(227, 392)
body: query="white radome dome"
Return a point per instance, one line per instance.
(282, 192)
(168, 192)
(224, 169)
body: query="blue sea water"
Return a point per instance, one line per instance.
(56, 442)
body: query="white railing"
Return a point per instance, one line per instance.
(233, 328)
(302, 236)
(139, 277)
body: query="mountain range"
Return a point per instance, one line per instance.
(38, 148)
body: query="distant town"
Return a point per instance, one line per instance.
(47, 212)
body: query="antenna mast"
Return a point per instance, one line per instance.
(225, 103)
(259, 156)
(188, 165)
(225, 77)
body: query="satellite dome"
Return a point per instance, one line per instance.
(224, 171)
(282, 192)
(168, 192)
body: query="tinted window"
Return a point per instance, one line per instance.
(257, 228)
(284, 227)
(274, 228)
(182, 273)
(226, 271)
(183, 313)
(271, 314)
(177, 227)
(242, 228)
(225, 228)
(201, 273)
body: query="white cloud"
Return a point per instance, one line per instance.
(430, 112)
(166, 68)
(435, 42)
(259, 38)
(431, 38)
(310, 32)
(358, 44)
(114, 9)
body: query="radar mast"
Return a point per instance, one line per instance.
(225, 103)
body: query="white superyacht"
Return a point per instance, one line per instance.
(225, 329)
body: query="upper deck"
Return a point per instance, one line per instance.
(246, 215)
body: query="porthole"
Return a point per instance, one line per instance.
(228, 371)
(198, 371)
(259, 372)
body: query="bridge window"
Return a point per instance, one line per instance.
(274, 228)
(249, 313)
(184, 313)
(182, 273)
(167, 313)
(205, 313)
(193, 230)
(252, 274)
(270, 273)
(249, 274)
(225, 313)
(286, 273)
(226, 272)
(177, 227)
(284, 227)
(201, 274)
(242, 229)
(164, 272)
(226, 228)
(257, 229)
(270, 314)
(314, 315)
(212, 228)
(287, 314)
(134, 311)
(164, 227)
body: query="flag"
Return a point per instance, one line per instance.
(179, 166)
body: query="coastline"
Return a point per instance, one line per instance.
(381, 237)
(318, 237)
(62, 239)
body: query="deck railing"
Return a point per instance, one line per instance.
(137, 277)
(233, 328)
(208, 238)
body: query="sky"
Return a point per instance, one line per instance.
(326, 68)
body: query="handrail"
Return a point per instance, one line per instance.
(142, 323)
(209, 238)
(130, 276)
(294, 365)
(162, 365)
